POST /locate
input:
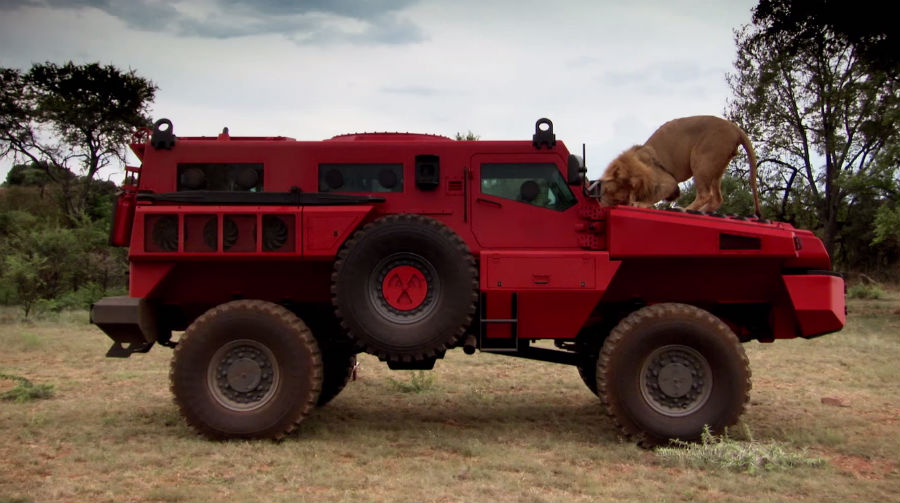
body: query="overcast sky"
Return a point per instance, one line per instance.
(607, 73)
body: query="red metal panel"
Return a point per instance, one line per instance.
(818, 302)
(517, 270)
(811, 253)
(555, 315)
(325, 228)
(639, 232)
(557, 290)
(145, 277)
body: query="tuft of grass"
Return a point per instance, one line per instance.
(29, 340)
(866, 291)
(25, 390)
(419, 381)
(724, 453)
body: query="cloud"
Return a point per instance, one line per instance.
(310, 22)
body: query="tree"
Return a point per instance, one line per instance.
(470, 136)
(856, 22)
(824, 123)
(71, 119)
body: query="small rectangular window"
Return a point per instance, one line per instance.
(228, 177)
(361, 178)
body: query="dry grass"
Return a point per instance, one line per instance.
(485, 428)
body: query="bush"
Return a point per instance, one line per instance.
(420, 381)
(25, 391)
(866, 291)
(722, 452)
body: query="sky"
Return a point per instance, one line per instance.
(607, 73)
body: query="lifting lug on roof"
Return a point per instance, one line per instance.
(163, 137)
(543, 133)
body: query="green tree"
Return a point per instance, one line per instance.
(67, 119)
(470, 136)
(825, 126)
(798, 22)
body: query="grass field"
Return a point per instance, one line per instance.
(478, 428)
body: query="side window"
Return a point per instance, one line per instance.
(360, 178)
(229, 177)
(538, 184)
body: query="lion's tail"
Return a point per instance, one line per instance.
(751, 155)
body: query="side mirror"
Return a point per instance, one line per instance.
(577, 171)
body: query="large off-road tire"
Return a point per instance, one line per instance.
(246, 369)
(587, 370)
(668, 370)
(404, 287)
(338, 351)
(339, 364)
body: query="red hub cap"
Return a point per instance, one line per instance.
(404, 288)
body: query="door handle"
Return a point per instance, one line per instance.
(488, 201)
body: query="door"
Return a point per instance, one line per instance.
(522, 201)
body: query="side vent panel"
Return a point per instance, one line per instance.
(161, 233)
(239, 235)
(278, 233)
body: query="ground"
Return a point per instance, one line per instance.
(478, 428)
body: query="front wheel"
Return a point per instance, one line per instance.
(246, 369)
(668, 370)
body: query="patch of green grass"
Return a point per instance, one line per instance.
(725, 453)
(29, 340)
(420, 381)
(25, 390)
(866, 291)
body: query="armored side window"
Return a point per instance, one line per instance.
(538, 184)
(360, 178)
(231, 177)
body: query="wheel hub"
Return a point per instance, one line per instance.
(404, 288)
(676, 380)
(243, 375)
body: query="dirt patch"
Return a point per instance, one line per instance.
(862, 468)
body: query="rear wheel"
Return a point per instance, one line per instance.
(668, 370)
(246, 369)
(339, 365)
(587, 370)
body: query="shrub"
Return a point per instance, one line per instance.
(866, 291)
(722, 452)
(25, 391)
(419, 381)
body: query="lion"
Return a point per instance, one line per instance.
(699, 146)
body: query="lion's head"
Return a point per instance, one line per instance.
(625, 179)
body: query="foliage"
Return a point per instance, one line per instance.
(470, 136)
(866, 291)
(856, 22)
(722, 452)
(737, 197)
(48, 266)
(25, 390)
(419, 381)
(826, 127)
(68, 119)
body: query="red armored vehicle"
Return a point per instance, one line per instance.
(281, 260)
